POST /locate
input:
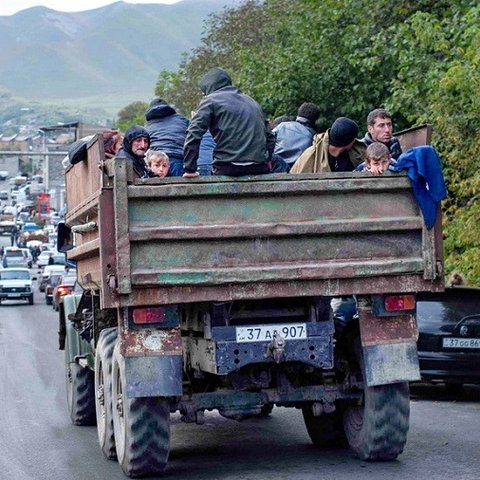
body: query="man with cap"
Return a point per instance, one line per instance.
(244, 142)
(336, 150)
(380, 129)
(135, 145)
(293, 137)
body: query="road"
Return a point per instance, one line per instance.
(37, 441)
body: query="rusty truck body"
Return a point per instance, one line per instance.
(215, 293)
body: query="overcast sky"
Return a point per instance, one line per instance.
(9, 7)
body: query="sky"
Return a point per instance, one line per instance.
(9, 7)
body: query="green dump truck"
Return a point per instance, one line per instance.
(215, 293)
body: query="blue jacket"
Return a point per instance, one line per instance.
(167, 129)
(292, 138)
(423, 167)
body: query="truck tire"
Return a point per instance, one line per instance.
(48, 300)
(30, 300)
(103, 391)
(377, 428)
(326, 430)
(80, 394)
(141, 427)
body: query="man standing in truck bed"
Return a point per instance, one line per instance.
(244, 142)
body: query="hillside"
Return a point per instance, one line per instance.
(113, 52)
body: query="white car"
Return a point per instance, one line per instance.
(16, 284)
(44, 258)
(45, 275)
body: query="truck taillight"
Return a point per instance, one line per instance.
(396, 303)
(148, 315)
(64, 291)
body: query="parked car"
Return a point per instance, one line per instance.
(3, 175)
(3, 195)
(64, 286)
(52, 280)
(45, 275)
(14, 257)
(449, 336)
(16, 284)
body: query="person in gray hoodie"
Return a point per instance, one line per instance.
(244, 142)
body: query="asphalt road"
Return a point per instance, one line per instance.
(37, 441)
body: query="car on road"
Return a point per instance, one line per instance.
(64, 286)
(52, 280)
(3, 195)
(16, 284)
(3, 175)
(14, 257)
(50, 257)
(449, 337)
(45, 275)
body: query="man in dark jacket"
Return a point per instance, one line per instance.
(167, 131)
(244, 142)
(380, 129)
(135, 145)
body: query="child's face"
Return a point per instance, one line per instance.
(159, 166)
(378, 165)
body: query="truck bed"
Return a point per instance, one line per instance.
(173, 240)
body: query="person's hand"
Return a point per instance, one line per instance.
(376, 170)
(190, 175)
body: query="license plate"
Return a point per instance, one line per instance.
(264, 333)
(14, 295)
(453, 342)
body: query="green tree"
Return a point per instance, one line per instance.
(132, 114)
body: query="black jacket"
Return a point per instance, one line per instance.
(167, 129)
(393, 145)
(139, 165)
(234, 119)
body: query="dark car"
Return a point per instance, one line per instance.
(50, 285)
(449, 336)
(63, 287)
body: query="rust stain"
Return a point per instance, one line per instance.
(151, 342)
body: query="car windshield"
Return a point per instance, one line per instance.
(14, 275)
(14, 253)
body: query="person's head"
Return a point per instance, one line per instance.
(158, 162)
(377, 157)
(159, 108)
(456, 278)
(342, 134)
(213, 80)
(380, 125)
(310, 111)
(136, 141)
(112, 142)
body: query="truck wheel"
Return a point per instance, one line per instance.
(326, 430)
(377, 428)
(48, 300)
(103, 391)
(141, 426)
(30, 300)
(80, 394)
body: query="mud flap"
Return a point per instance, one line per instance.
(153, 362)
(154, 376)
(389, 347)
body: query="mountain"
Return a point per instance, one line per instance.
(111, 54)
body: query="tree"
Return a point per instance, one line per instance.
(132, 114)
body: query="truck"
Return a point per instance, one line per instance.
(215, 293)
